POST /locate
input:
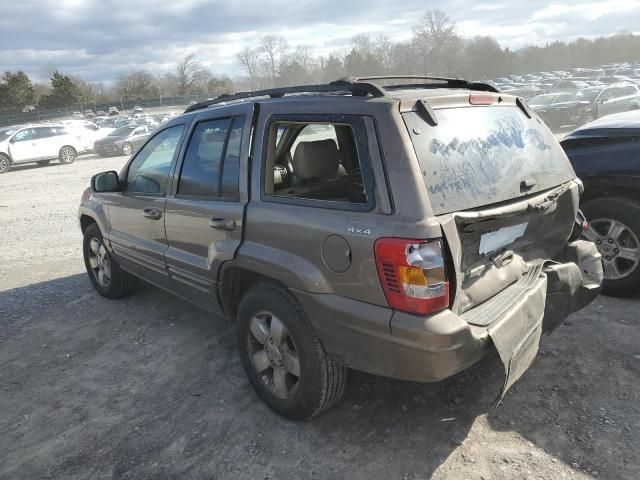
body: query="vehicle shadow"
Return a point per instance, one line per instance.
(150, 386)
(55, 163)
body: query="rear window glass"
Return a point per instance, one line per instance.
(478, 156)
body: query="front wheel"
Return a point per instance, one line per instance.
(614, 226)
(105, 274)
(67, 155)
(282, 356)
(127, 148)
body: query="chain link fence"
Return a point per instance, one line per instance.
(17, 117)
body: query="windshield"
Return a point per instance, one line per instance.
(122, 131)
(587, 95)
(6, 133)
(477, 156)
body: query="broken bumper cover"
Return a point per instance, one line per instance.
(385, 342)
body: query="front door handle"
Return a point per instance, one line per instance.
(152, 213)
(222, 223)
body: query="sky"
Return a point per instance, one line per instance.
(102, 39)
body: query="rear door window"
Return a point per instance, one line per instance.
(477, 156)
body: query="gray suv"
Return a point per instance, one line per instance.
(399, 226)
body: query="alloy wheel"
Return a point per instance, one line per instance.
(67, 155)
(618, 245)
(273, 354)
(100, 262)
(4, 164)
(126, 149)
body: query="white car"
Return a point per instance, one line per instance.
(36, 144)
(86, 133)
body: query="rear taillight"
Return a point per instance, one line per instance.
(412, 274)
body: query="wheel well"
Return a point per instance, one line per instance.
(85, 221)
(238, 281)
(69, 146)
(7, 156)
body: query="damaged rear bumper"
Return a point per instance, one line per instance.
(385, 342)
(572, 284)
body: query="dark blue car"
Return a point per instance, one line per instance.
(606, 156)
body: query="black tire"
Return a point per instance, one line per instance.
(626, 212)
(127, 148)
(121, 283)
(322, 380)
(67, 155)
(43, 163)
(5, 163)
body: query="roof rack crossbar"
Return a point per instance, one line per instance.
(355, 88)
(438, 82)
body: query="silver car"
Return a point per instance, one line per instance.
(617, 98)
(36, 144)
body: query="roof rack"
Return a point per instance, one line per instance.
(432, 82)
(339, 86)
(357, 86)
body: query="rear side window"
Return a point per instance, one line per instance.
(45, 132)
(211, 163)
(477, 156)
(318, 164)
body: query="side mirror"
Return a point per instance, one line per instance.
(105, 182)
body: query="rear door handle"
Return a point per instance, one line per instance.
(152, 213)
(222, 223)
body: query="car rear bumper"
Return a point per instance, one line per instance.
(390, 343)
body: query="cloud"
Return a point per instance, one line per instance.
(100, 39)
(589, 10)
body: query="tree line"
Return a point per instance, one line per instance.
(189, 77)
(436, 47)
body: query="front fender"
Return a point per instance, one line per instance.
(92, 207)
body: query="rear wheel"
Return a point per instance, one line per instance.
(43, 163)
(282, 356)
(615, 229)
(127, 148)
(67, 155)
(105, 274)
(5, 164)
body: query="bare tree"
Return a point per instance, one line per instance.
(304, 57)
(273, 48)
(137, 84)
(436, 38)
(190, 72)
(249, 59)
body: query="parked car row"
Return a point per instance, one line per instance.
(559, 110)
(572, 98)
(65, 140)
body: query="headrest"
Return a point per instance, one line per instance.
(317, 159)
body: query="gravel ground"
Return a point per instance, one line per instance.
(151, 387)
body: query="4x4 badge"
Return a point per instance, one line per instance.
(359, 231)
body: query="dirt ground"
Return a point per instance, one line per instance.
(152, 388)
